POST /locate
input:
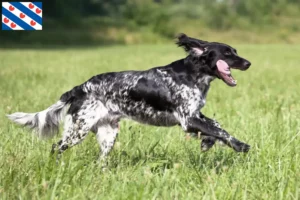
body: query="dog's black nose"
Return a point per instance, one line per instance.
(247, 64)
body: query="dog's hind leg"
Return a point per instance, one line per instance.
(106, 136)
(78, 125)
(74, 133)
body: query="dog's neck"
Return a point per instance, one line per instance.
(195, 74)
(201, 71)
(205, 79)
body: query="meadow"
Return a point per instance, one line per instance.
(154, 162)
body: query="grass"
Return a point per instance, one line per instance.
(150, 162)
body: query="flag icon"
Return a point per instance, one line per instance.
(22, 16)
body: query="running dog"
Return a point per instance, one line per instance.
(162, 96)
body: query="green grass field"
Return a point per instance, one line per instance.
(151, 162)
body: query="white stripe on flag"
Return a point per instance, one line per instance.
(26, 19)
(26, 4)
(9, 23)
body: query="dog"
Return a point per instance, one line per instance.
(162, 96)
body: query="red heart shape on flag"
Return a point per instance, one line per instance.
(13, 25)
(31, 6)
(6, 20)
(22, 15)
(38, 11)
(32, 23)
(11, 8)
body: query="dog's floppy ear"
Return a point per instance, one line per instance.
(191, 45)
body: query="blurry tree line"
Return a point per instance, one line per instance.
(217, 14)
(168, 17)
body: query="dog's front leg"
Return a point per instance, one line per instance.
(206, 127)
(209, 141)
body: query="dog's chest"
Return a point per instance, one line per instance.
(189, 98)
(193, 98)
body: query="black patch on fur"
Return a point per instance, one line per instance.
(157, 96)
(76, 106)
(76, 98)
(70, 96)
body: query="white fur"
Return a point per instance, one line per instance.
(37, 121)
(21, 118)
(197, 51)
(106, 136)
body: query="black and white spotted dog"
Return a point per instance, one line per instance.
(162, 96)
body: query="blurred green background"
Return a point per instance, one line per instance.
(103, 22)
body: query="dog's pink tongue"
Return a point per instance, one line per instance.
(223, 67)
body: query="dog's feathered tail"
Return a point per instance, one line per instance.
(46, 123)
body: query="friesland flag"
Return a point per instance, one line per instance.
(22, 16)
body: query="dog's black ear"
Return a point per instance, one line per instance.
(191, 45)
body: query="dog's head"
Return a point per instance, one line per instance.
(217, 58)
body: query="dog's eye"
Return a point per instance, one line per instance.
(227, 53)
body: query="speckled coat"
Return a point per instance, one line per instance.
(162, 96)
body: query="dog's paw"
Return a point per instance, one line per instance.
(241, 147)
(207, 143)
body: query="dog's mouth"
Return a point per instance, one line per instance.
(224, 73)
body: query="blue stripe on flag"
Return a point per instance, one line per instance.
(5, 27)
(27, 11)
(17, 20)
(38, 4)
